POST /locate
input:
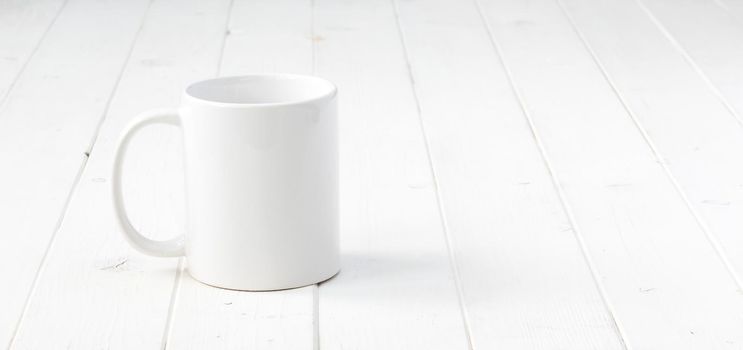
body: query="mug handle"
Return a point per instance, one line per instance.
(171, 247)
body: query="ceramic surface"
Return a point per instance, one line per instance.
(261, 163)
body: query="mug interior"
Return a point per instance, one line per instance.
(262, 89)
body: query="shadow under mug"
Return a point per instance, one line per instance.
(261, 170)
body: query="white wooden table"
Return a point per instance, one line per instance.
(515, 174)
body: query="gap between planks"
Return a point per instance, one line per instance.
(439, 203)
(711, 238)
(689, 60)
(32, 53)
(173, 302)
(180, 269)
(555, 180)
(48, 248)
(81, 169)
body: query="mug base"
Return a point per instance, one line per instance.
(300, 285)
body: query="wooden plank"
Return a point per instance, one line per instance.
(709, 36)
(525, 282)
(665, 283)
(23, 26)
(269, 37)
(264, 36)
(209, 318)
(698, 140)
(396, 289)
(94, 290)
(733, 7)
(46, 125)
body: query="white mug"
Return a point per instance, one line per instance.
(261, 164)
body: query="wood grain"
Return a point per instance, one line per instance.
(697, 141)
(23, 26)
(46, 126)
(396, 289)
(94, 290)
(652, 257)
(708, 36)
(525, 281)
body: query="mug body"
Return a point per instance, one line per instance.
(261, 161)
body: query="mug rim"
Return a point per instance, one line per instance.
(331, 92)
